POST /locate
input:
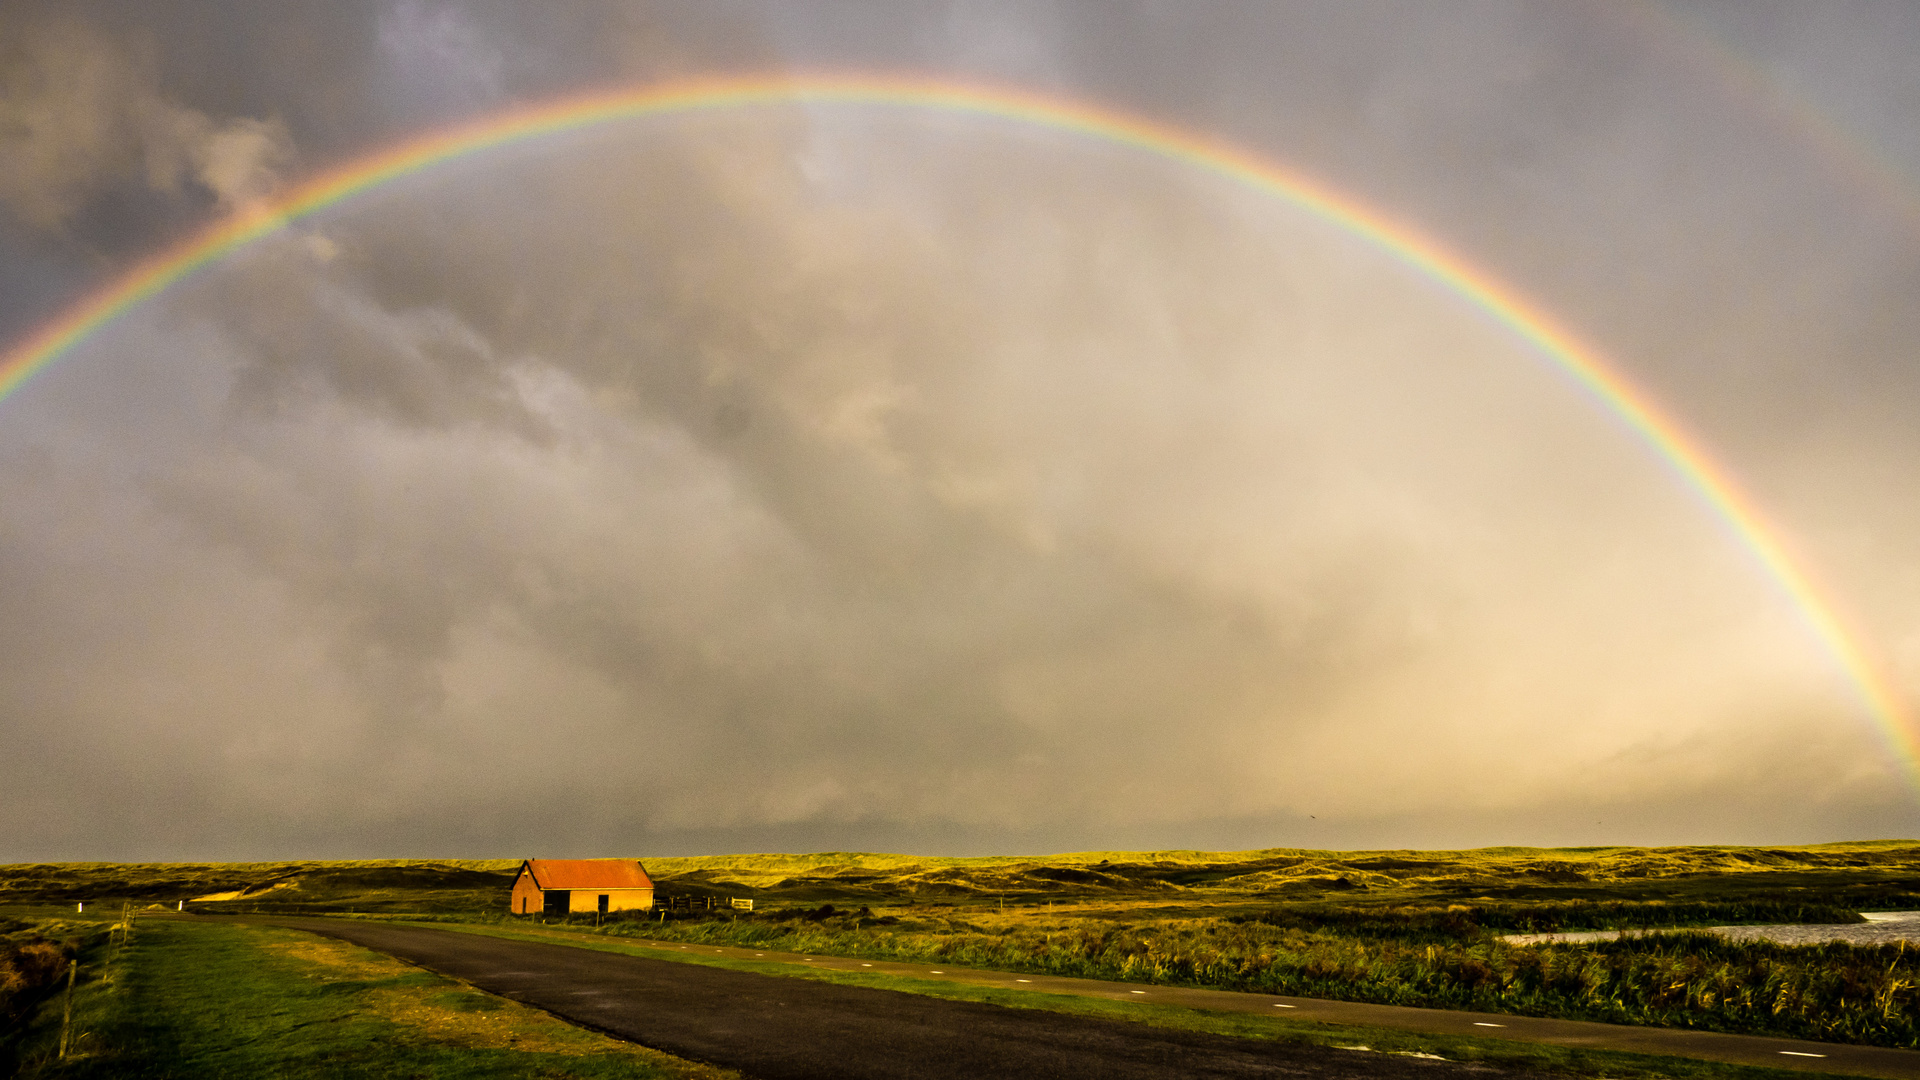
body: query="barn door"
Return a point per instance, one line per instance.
(557, 902)
(603, 903)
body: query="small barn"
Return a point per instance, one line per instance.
(570, 886)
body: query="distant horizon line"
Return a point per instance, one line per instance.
(824, 853)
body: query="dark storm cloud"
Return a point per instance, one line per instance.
(829, 478)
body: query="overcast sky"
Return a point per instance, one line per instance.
(856, 477)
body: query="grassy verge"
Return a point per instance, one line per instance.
(195, 1000)
(1500, 1053)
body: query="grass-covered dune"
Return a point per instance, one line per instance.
(1885, 873)
(1850, 875)
(372, 885)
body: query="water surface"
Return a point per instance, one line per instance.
(1881, 928)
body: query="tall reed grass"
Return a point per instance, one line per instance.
(28, 968)
(1837, 993)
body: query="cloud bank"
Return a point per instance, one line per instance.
(844, 472)
(868, 478)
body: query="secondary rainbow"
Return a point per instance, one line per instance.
(1499, 301)
(1690, 40)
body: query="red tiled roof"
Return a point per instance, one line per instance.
(589, 874)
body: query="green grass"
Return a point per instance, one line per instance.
(363, 885)
(1854, 875)
(1502, 1053)
(1885, 870)
(196, 1000)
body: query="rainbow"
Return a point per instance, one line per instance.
(1690, 40)
(1499, 302)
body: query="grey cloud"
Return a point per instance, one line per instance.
(1041, 499)
(81, 113)
(862, 477)
(438, 45)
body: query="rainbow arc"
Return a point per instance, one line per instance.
(1687, 458)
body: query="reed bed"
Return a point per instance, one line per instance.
(27, 968)
(34, 953)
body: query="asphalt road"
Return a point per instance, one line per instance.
(775, 1028)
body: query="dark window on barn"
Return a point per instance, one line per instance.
(558, 902)
(603, 903)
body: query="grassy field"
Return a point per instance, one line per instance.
(187, 999)
(1398, 927)
(1851, 876)
(364, 885)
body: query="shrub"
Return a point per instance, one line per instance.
(27, 968)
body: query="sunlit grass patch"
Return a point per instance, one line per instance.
(424, 1003)
(192, 999)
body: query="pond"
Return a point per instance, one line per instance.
(1881, 928)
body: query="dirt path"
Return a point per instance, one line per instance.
(777, 1028)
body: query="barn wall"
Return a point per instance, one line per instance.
(587, 901)
(525, 890)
